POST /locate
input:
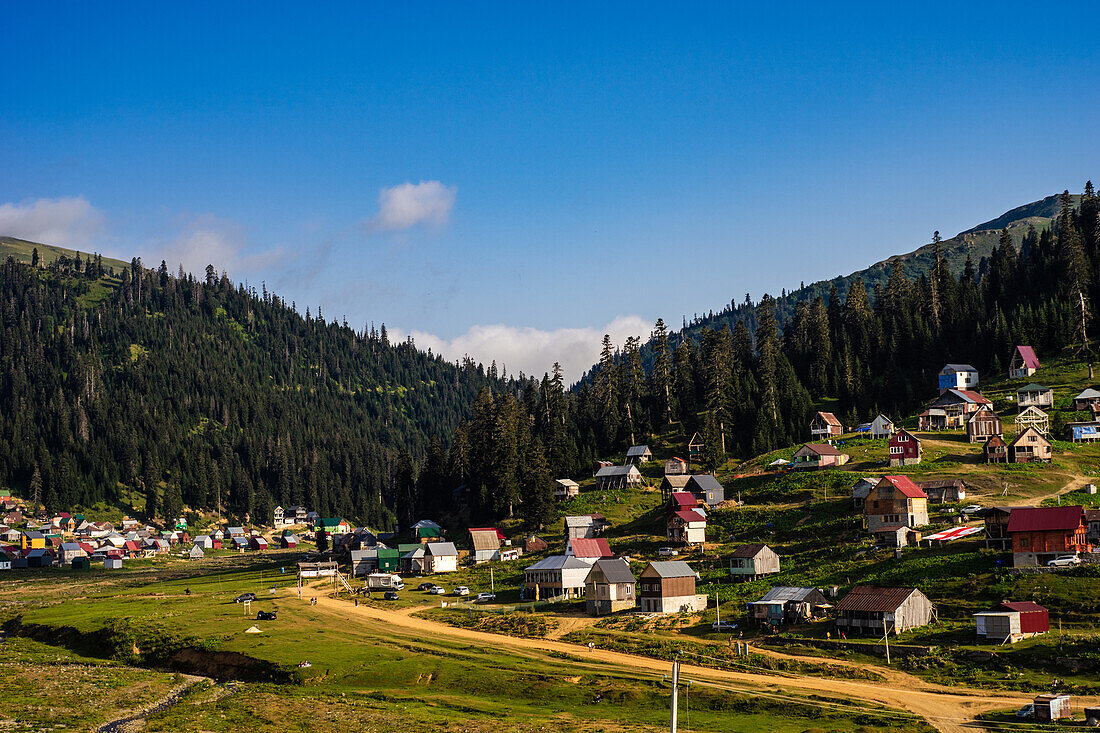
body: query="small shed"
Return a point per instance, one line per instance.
(112, 563)
(1088, 400)
(1010, 621)
(996, 450)
(785, 603)
(676, 466)
(617, 477)
(706, 489)
(639, 454)
(195, 553)
(566, 488)
(1049, 708)
(753, 561)
(1083, 432)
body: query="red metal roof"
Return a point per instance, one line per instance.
(906, 487)
(1027, 355)
(1021, 606)
(597, 547)
(1046, 518)
(690, 515)
(500, 535)
(830, 419)
(974, 396)
(684, 499)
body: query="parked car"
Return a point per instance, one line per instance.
(972, 509)
(462, 591)
(390, 595)
(437, 590)
(1065, 561)
(723, 626)
(245, 597)
(425, 586)
(485, 597)
(668, 552)
(266, 615)
(1027, 711)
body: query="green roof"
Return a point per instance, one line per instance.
(1033, 388)
(428, 532)
(330, 522)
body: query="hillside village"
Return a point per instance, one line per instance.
(800, 548)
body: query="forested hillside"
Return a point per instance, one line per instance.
(197, 392)
(171, 390)
(869, 351)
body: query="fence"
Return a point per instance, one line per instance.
(531, 606)
(864, 647)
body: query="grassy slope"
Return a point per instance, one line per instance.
(22, 251)
(372, 676)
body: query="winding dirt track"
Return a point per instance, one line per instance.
(950, 710)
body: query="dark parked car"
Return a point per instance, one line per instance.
(266, 616)
(245, 597)
(391, 595)
(425, 586)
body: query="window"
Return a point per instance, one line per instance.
(903, 438)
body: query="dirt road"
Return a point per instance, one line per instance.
(135, 721)
(948, 709)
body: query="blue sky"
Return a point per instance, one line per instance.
(584, 169)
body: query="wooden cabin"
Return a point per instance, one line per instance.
(983, 425)
(996, 450)
(610, 587)
(1034, 395)
(882, 427)
(750, 562)
(1029, 447)
(1023, 363)
(669, 587)
(904, 449)
(825, 425)
(872, 610)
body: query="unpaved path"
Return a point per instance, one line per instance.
(1078, 482)
(135, 721)
(950, 710)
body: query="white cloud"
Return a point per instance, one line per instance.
(408, 204)
(530, 350)
(210, 240)
(65, 222)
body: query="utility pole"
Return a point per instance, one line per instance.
(886, 636)
(675, 684)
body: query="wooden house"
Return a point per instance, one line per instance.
(287, 541)
(669, 587)
(1011, 621)
(943, 491)
(1023, 363)
(983, 425)
(680, 501)
(750, 562)
(1087, 401)
(875, 611)
(70, 551)
(485, 542)
(687, 526)
(996, 450)
(882, 427)
(1034, 395)
(1033, 417)
(1040, 534)
(706, 489)
(610, 587)
(824, 425)
(204, 541)
(257, 544)
(600, 464)
(1029, 447)
(639, 454)
(617, 477)
(195, 553)
(442, 557)
(278, 517)
(860, 492)
(676, 466)
(784, 604)
(958, 376)
(816, 456)
(672, 483)
(904, 449)
(584, 525)
(556, 576)
(566, 488)
(896, 500)
(957, 406)
(588, 550)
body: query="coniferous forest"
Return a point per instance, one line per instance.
(193, 392)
